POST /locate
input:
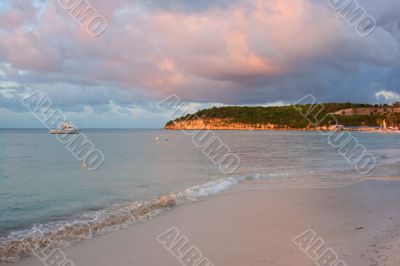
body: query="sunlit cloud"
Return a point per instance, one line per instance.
(243, 52)
(388, 96)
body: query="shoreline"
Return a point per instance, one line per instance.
(366, 129)
(256, 227)
(90, 224)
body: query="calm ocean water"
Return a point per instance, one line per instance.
(41, 182)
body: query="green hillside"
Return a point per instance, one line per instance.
(289, 116)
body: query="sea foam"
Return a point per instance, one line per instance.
(63, 233)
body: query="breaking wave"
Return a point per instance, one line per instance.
(20, 243)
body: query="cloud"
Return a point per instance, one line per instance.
(388, 96)
(212, 51)
(14, 13)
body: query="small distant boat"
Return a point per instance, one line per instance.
(337, 127)
(65, 128)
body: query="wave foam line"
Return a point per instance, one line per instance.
(18, 244)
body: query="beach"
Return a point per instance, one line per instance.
(359, 222)
(199, 133)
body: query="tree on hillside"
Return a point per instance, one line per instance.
(392, 119)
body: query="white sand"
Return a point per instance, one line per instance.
(256, 228)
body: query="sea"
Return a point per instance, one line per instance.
(43, 187)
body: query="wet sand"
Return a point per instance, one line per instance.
(361, 223)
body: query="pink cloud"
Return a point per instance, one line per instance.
(28, 51)
(216, 51)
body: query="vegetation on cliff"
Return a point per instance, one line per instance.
(288, 116)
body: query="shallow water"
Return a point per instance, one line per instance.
(42, 183)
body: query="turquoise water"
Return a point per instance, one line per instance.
(41, 182)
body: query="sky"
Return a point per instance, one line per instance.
(207, 53)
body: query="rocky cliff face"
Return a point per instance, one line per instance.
(215, 124)
(221, 124)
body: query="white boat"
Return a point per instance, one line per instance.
(65, 128)
(336, 127)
